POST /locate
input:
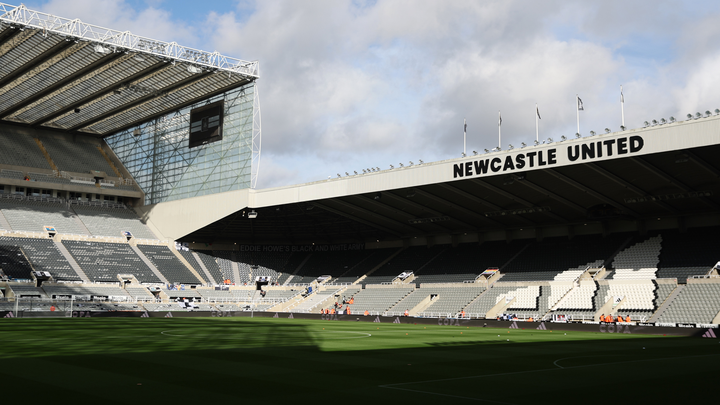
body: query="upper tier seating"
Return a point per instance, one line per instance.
(332, 263)
(13, 263)
(412, 259)
(27, 291)
(21, 150)
(638, 261)
(688, 254)
(33, 216)
(169, 265)
(66, 155)
(89, 291)
(44, 256)
(106, 221)
(553, 255)
(104, 261)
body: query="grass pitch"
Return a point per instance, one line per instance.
(231, 360)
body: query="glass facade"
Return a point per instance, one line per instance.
(166, 169)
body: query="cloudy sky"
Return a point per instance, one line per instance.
(353, 84)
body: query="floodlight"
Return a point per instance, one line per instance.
(689, 116)
(622, 127)
(549, 140)
(698, 115)
(654, 122)
(707, 113)
(354, 171)
(101, 49)
(607, 130)
(392, 167)
(364, 171)
(672, 119)
(510, 147)
(577, 135)
(717, 111)
(339, 175)
(411, 163)
(537, 143)
(463, 154)
(421, 161)
(252, 214)
(663, 121)
(347, 174)
(646, 124)
(523, 144)
(474, 152)
(486, 151)
(401, 165)
(563, 138)
(377, 168)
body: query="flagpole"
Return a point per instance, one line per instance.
(499, 130)
(464, 137)
(577, 108)
(537, 132)
(622, 106)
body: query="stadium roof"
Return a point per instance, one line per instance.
(667, 172)
(64, 74)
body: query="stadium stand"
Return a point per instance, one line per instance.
(212, 266)
(698, 302)
(13, 262)
(687, 254)
(106, 221)
(20, 150)
(169, 265)
(450, 300)
(28, 215)
(103, 261)
(64, 154)
(379, 300)
(412, 259)
(43, 255)
(639, 261)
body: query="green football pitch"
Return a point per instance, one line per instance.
(232, 360)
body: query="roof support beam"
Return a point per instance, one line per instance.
(599, 170)
(188, 81)
(362, 221)
(703, 164)
(425, 208)
(394, 210)
(373, 214)
(35, 62)
(456, 207)
(177, 107)
(49, 90)
(550, 194)
(139, 76)
(516, 199)
(587, 190)
(671, 180)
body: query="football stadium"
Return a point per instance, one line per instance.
(139, 262)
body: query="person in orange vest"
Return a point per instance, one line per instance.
(620, 319)
(531, 319)
(407, 312)
(332, 311)
(462, 314)
(52, 308)
(347, 310)
(367, 313)
(602, 318)
(627, 318)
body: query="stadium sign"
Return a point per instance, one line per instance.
(586, 151)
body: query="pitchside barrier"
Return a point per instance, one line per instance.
(706, 331)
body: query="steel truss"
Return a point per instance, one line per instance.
(21, 17)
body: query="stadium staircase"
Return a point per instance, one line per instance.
(75, 266)
(47, 155)
(78, 221)
(147, 261)
(109, 161)
(4, 224)
(666, 304)
(235, 271)
(204, 269)
(186, 263)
